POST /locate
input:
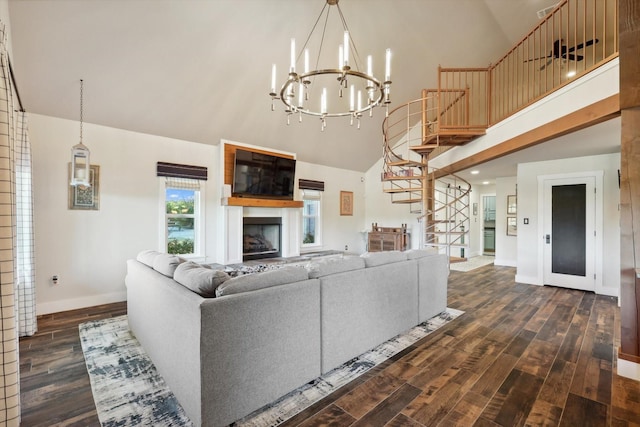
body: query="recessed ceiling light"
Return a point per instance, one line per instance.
(571, 73)
(485, 182)
(475, 172)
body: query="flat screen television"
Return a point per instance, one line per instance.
(263, 175)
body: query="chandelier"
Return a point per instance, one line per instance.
(356, 92)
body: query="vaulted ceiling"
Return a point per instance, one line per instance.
(199, 70)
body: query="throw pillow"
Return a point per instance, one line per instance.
(201, 280)
(252, 282)
(166, 264)
(147, 257)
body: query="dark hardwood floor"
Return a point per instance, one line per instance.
(520, 355)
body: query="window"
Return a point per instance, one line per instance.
(182, 213)
(311, 218)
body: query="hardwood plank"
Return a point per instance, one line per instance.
(466, 411)
(557, 384)
(330, 416)
(389, 408)
(538, 358)
(402, 420)
(511, 404)
(580, 411)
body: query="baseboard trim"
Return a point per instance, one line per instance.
(505, 262)
(628, 366)
(527, 280)
(76, 303)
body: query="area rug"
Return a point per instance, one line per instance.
(128, 391)
(472, 263)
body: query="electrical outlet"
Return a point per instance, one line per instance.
(55, 279)
(346, 247)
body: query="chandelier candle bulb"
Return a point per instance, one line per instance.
(345, 60)
(323, 101)
(273, 80)
(387, 68)
(340, 57)
(293, 55)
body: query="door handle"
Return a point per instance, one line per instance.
(548, 238)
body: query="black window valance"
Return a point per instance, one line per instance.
(181, 171)
(308, 184)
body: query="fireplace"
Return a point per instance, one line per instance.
(261, 237)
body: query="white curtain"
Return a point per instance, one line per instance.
(25, 280)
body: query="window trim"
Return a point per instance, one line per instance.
(199, 215)
(311, 195)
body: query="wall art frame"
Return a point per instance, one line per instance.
(512, 204)
(83, 197)
(512, 226)
(346, 203)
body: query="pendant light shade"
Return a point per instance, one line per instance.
(80, 165)
(80, 161)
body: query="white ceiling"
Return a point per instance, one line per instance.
(199, 70)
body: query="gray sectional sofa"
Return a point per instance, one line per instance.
(266, 334)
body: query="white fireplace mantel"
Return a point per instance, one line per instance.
(232, 218)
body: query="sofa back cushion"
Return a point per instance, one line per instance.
(166, 264)
(373, 259)
(420, 253)
(334, 265)
(252, 282)
(201, 280)
(147, 257)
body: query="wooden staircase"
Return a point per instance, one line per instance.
(414, 133)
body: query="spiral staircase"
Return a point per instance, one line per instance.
(413, 134)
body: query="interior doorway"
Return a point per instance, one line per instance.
(570, 232)
(489, 224)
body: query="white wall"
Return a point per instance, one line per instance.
(506, 246)
(529, 240)
(338, 231)
(88, 249)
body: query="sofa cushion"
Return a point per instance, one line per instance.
(147, 257)
(373, 259)
(420, 253)
(201, 280)
(166, 264)
(252, 282)
(334, 265)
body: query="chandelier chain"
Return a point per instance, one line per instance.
(81, 107)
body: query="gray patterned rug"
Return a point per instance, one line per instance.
(128, 391)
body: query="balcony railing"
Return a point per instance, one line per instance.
(575, 38)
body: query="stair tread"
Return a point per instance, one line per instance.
(402, 190)
(403, 178)
(407, 201)
(406, 163)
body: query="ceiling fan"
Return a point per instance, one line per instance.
(561, 51)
